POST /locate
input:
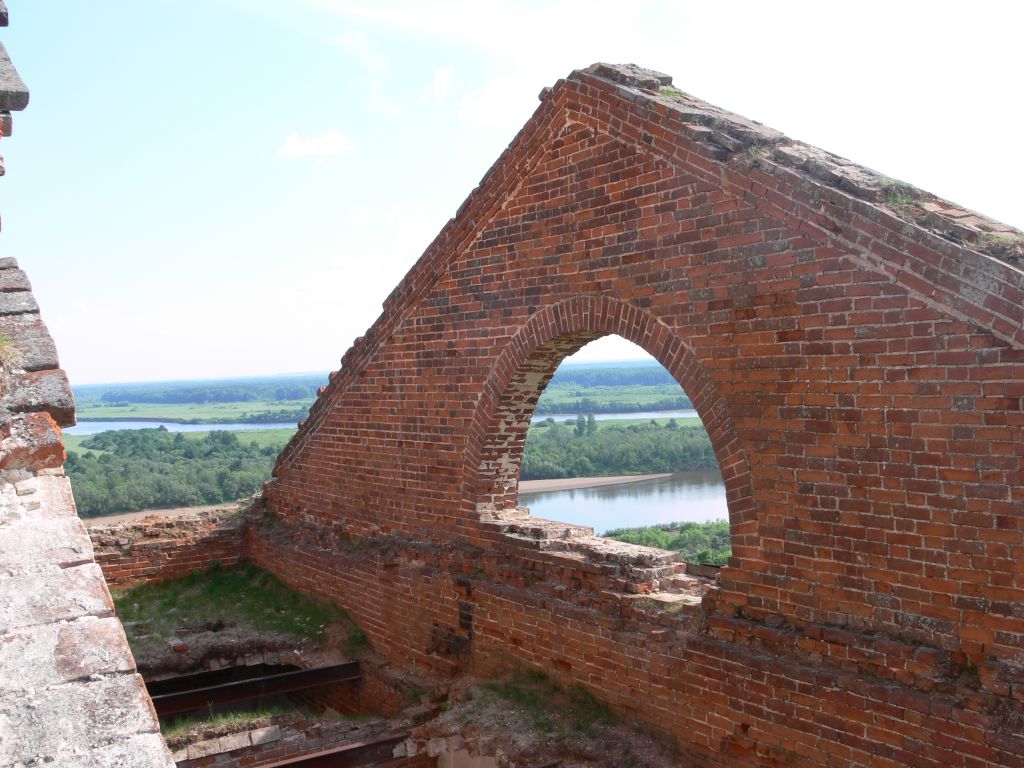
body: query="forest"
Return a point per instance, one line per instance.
(581, 388)
(129, 470)
(134, 469)
(268, 389)
(695, 542)
(586, 447)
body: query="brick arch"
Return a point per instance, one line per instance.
(526, 365)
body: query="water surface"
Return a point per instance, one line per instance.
(697, 496)
(95, 427)
(685, 413)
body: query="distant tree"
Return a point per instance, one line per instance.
(581, 425)
(591, 424)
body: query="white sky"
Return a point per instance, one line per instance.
(210, 188)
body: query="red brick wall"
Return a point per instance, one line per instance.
(374, 693)
(163, 548)
(861, 379)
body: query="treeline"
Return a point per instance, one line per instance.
(272, 389)
(590, 405)
(129, 470)
(638, 374)
(696, 542)
(556, 450)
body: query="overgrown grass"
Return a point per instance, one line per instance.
(552, 709)
(244, 598)
(1005, 247)
(899, 196)
(178, 726)
(707, 543)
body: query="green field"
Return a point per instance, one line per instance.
(262, 437)
(590, 388)
(622, 423)
(573, 398)
(198, 413)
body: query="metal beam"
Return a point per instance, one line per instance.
(362, 753)
(285, 682)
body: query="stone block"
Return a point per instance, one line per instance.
(203, 748)
(47, 391)
(31, 339)
(14, 280)
(234, 741)
(39, 656)
(28, 545)
(264, 735)
(57, 595)
(51, 724)
(17, 302)
(31, 441)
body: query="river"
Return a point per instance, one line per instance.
(684, 413)
(95, 427)
(696, 496)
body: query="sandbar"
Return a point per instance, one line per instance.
(574, 483)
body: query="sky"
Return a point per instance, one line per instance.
(214, 188)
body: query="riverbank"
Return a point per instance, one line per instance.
(526, 486)
(575, 483)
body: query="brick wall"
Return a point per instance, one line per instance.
(163, 548)
(376, 692)
(860, 374)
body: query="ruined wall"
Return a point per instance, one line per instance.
(859, 364)
(163, 548)
(290, 740)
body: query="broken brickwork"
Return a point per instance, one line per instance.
(858, 359)
(159, 548)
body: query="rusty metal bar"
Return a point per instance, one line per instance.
(212, 677)
(362, 753)
(268, 685)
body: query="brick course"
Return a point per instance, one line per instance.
(862, 381)
(164, 548)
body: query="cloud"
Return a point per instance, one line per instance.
(442, 82)
(357, 44)
(330, 144)
(503, 102)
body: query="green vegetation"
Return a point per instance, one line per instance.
(574, 389)
(250, 400)
(899, 196)
(551, 708)
(129, 470)
(176, 727)
(696, 542)
(197, 413)
(1005, 247)
(11, 356)
(244, 599)
(265, 389)
(584, 449)
(612, 389)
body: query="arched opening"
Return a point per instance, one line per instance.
(616, 445)
(526, 366)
